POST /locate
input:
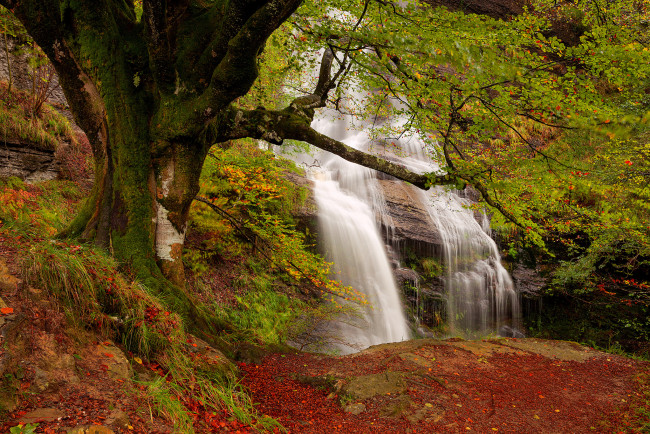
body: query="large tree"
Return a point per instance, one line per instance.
(155, 88)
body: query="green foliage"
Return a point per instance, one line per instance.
(87, 282)
(45, 130)
(163, 395)
(29, 428)
(264, 315)
(274, 65)
(9, 25)
(432, 268)
(487, 95)
(251, 186)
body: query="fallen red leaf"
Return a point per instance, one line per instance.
(7, 310)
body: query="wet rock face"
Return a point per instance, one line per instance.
(307, 214)
(527, 280)
(412, 229)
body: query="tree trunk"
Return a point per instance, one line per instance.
(140, 202)
(152, 96)
(176, 172)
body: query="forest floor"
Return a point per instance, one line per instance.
(71, 381)
(425, 386)
(61, 377)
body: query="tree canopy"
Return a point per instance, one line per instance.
(503, 103)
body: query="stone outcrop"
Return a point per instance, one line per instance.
(27, 161)
(113, 358)
(528, 281)
(407, 224)
(308, 211)
(22, 74)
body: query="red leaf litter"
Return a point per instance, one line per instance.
(514, 386)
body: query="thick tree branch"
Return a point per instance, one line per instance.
(224, 19)
(294, 123)
(160, 42)
(237, 71)
(276, 126)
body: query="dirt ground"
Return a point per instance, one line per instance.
(70, 381)
(426, 386)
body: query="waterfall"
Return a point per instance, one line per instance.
(348, 202)
(480, 297)
(480, 293)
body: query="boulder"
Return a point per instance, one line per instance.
(41, 415)
(306, 214)
(8, 283)
(407, 223)
(209, 358)
(355, 408)
(367, 386)
(54, 367)
(527, 280)
(116, 363)
(118, 419)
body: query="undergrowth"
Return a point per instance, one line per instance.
(248, 217)
(16, 123)
(275, 284)
(37, 211)
(95, 295)
(249, 204)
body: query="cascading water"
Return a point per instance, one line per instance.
(481, 298)
(347, 200)
(351, 208)
(480, 294)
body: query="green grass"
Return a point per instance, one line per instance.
(44, 131)
(163, 399)
(89, 285)
(263, 315)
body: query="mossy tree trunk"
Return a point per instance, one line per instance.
(152, 96)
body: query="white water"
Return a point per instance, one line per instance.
(480, 294)
(348, 201)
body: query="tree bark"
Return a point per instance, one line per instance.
(152, 97)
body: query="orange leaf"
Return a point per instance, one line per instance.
(7, 310)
